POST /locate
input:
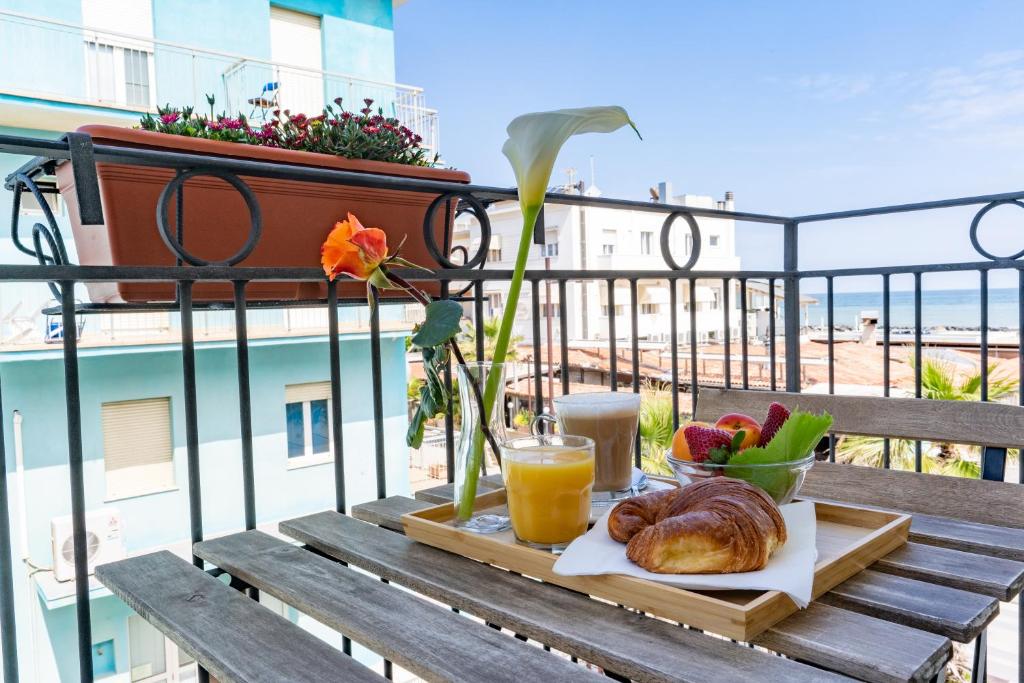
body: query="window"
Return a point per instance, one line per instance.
(716, 299)
(608, 242)
(493, 302)
(154, 658)
(549, 249)
(713, 240)
(689, 244)
(648, 309)
(619, 309)
(121, 75)
(296, 40)
(494, 254)
(646, 239)
(307, 412)
(119, 66)
(136, 77)
(138, 452)
(550, 310)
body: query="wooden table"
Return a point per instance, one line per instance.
(893, 622)
(444, 618)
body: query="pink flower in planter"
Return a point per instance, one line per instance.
(371, 130)
(367, 101)
(169, 118)
(232, 124)
(215, 126)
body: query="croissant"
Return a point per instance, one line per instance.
(714, 526)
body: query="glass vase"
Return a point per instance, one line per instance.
(474, 455)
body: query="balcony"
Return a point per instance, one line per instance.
(119, 76)
(893, 622)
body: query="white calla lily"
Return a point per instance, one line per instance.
(534, 141)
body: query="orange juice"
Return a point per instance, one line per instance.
(548, 489)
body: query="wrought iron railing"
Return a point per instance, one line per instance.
(459, 275)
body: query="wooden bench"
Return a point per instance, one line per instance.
(423, 638)
(968, 519)
(229, 635)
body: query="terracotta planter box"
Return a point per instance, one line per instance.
(296, 216)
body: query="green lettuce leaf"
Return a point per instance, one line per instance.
(794, 441)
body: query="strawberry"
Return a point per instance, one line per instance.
(777, 415)
(702, 440)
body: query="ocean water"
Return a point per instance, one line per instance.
(939, 308)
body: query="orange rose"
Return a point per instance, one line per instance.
(353, 250)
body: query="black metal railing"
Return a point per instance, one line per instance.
(464, 282)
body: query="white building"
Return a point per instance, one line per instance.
(593, 238)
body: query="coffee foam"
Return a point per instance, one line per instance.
(604, 404)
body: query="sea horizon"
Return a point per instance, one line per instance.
(952, 308)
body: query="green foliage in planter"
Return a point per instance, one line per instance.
(362, 135)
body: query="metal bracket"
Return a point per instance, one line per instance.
(87, 188)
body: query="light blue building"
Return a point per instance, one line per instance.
(66, 63)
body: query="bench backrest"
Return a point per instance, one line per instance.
(992, 425)
(964, 422)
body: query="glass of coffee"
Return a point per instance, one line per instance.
(610, 419)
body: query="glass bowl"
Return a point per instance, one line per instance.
(781, 481)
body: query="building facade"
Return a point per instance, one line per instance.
(611, 239)
(69, 63)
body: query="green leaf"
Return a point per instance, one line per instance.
(737, 439)
(441, 324)
(399, 261)
(719, 456)
(433, 396)
(795, 440)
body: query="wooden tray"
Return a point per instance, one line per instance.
(849, 539)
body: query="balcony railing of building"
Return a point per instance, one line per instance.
(132, 73)
(466, 284)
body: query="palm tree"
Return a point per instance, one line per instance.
(939, 381)
(467, 341)
(655, 429)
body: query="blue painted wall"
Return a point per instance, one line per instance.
(33, 385)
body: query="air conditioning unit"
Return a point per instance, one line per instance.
(103, 541)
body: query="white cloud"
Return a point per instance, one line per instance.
(835, 87)
(991, 94)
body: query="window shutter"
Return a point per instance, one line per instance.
(288, 16)
(312, 391)
(138, 451)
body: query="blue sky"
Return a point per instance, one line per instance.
(797, 107)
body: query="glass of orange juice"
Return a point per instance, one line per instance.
(548, 480)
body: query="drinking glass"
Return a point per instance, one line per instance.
(473, 448)
(548, 481)
(611, 420)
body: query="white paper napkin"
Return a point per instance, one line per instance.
(791, 569)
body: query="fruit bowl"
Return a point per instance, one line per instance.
(781, 480)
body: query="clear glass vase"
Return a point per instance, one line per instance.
(474, 454)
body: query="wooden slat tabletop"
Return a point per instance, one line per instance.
(618, 640)
(918, 602)
(233, 637)
(423, 638)
(948, 591)
(854, 644)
